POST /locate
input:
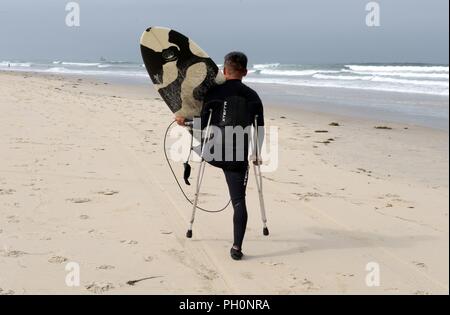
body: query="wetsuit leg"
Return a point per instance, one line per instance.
(237, 184)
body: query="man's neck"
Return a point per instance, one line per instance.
(233, 78)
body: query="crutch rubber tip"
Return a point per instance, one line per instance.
(189, 234)
(266, 231)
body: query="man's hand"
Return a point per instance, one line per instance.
(180, 120)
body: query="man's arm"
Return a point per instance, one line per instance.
(204, 115)
(207, 105)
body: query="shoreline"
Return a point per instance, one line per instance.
(336, 102)
(83, 180)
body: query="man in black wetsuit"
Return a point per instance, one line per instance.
(233, 107)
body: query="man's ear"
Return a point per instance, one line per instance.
(225, 72)
(244, 73)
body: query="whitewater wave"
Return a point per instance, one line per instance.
(381, 79)
(81, 64)
(424, 75)
(265, 66)
(63, 70)
(423, 79)
(295, 73)
(413, 82)
(402, 69)
(57, 70)
(386, 87)
(343, 77)
(103, 64)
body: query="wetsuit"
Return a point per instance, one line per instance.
(233, 106)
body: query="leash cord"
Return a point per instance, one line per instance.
(175, 176)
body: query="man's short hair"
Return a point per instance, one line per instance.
(236, 61)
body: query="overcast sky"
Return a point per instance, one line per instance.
(287, 31)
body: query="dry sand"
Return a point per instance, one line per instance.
(83, 179)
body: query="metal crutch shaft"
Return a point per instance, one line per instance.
(199, 178)
(259, 182)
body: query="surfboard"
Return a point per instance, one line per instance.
(180, 70)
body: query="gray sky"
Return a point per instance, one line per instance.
(286, 31)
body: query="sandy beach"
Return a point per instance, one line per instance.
(83, 180)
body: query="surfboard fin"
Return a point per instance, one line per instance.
(187, 173)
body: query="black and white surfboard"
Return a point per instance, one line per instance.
(180, 70)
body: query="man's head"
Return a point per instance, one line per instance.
(235, 65)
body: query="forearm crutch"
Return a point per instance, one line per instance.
(258, 177)
(201, 171)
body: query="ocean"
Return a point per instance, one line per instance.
(413, 93)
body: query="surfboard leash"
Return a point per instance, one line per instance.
(187, 169)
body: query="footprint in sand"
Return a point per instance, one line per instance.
(129, 242)
(99, 287)
(84, 217)
(6, 191)
(79, 200)
(57, 260)
(106, 267)
(108, 192)
(6, 252)
(362, 170)
(308, 284)
(207, 273)
(419, 264)
(305, 283)
(396, 200)
(346, 275)
(12, 219)
(307, 196)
